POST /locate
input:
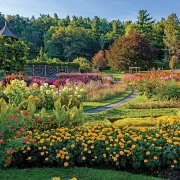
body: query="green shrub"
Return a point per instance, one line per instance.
(169, 90)
(83, 63)
(54, 62)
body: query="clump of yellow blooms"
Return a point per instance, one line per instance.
(120, 145)
(55, 178)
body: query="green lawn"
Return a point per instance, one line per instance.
(117, 75)
(93, 105)
(124, 112)
(65, 174)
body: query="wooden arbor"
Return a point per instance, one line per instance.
(134, 69)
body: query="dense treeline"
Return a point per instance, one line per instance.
(69, 38)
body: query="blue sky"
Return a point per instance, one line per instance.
(110, 9)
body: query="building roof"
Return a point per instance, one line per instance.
(5, 31)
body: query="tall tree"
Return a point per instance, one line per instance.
(128, 51)
(145, 24)
(172, 39)
(172, 34)
(99, 60)
(67, 43)
(2, 20)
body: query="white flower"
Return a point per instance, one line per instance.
(42, 88)
(45, 84)
(52, 86)
(48, 92)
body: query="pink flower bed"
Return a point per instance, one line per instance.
(64, 78)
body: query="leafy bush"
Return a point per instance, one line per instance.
(170, 90)
(83, 63)
(161, 84)
(99, 60)
(13, 54)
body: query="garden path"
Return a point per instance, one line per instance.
(119, 103)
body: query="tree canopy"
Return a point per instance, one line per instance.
(71, 37)
(128, 51)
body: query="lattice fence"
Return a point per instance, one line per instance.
(47, 70)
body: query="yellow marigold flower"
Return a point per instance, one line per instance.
(175, 143)
(46, 159)
(92, 147)
(107, 149)
(157, 135)
(83, 158)
(44, 147)
(64, 149)
(42, 153)
(145, 160)
(66, 164)
(58, 155)
(29, 158)
(41, 141)
(89, 152)
(133, 146)
(115, 159)
(155, 157)
(117, 155)
(121, 153)
(104, 155)
(28, 148)
(73, 178)
(169, 141)
(39, 148)
(72, 145)
(67, 157)
(175, 161)
(148, 153)
(58, 138)
(95, 157)
(55, 178)
(51, 144)
(85, 149)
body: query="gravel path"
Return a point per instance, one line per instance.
(104, 108)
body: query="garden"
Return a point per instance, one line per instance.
(89, 98)
(43, 123)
